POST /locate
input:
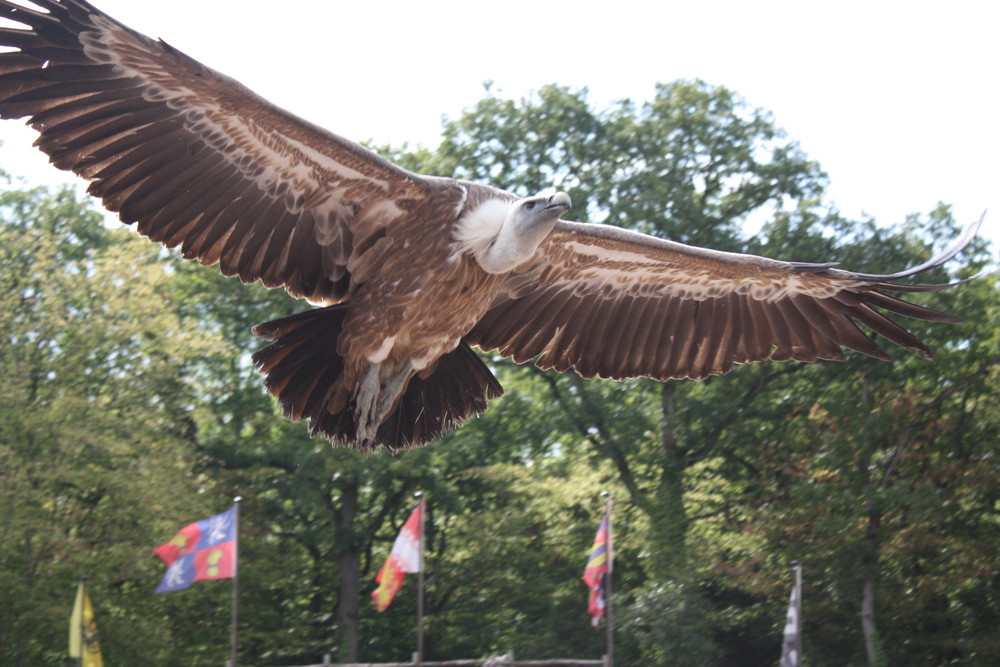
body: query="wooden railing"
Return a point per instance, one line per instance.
(506, 660)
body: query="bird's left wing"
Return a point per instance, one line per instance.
(614, 303)
(193, 157)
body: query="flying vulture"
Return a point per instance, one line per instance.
(409, 272)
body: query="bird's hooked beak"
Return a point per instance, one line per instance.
(560, 202)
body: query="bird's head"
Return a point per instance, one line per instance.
(502, 234)
(540, 213)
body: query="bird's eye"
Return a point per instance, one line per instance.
(529, 205)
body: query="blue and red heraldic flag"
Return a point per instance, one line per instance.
(205, 549)
(405, 557)
(597, 570)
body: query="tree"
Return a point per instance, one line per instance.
(92, 426)
(885, 456)
(132, 408)
(692, 164)
(695, 164)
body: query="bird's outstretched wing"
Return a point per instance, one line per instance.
(193, 157)
(609, 302)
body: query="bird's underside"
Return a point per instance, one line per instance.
(408, 272)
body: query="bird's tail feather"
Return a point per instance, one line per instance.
(304, 371)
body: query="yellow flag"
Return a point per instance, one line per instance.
(83, 631)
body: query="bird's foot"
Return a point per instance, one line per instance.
(365, 401)
(390, 392)
(375, 400)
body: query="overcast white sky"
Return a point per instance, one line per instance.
(898, 101)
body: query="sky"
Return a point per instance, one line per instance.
(897, 101)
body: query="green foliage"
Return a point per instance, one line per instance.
(93, 448)
(130, 408)
(667, 624)
(692, 164)
(695, 164)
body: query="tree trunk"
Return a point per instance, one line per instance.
(349, 564)
(668, 525)
(666, 508)
(870, 563)
(873, 512)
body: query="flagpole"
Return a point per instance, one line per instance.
(83, 620)
(235, 596)
(609, 639)
(420, 584)
(797, 565)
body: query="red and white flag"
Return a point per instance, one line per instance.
(405, 557)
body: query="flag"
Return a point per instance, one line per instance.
(205, 549)
(83, 631)
(791, 647)
(598, 567)
(405, 557)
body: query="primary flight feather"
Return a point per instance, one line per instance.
(408, 270)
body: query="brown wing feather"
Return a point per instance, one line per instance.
(191, 156)
(614, 303)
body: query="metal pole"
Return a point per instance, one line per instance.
(420, 584)
(233, 641)
(608, 624)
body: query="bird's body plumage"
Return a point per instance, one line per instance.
(407, 271)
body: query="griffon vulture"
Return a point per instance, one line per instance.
(409, 272)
